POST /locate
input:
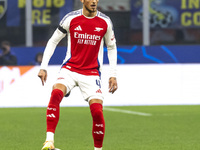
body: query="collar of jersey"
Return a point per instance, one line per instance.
(89, 17)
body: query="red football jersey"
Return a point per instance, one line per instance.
(85, 41)
(86, 38)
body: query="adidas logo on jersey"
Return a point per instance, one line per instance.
(78, 28)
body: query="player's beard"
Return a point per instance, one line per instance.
(91, 11)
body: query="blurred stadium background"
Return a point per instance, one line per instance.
(158, 54)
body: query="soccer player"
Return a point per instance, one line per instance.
(86, 30)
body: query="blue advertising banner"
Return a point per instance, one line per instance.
(126, 54)
(167, 13)
(44, 12)
(159, 54)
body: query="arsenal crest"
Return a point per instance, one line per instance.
(3, 7)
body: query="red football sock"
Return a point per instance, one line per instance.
(53, 110)
(98, 124)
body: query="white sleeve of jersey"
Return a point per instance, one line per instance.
(112, 50)
(50, 48)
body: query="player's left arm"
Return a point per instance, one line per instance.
(112, 57)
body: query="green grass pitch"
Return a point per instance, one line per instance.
(168, 128)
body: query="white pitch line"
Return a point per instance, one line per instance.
(127, 111)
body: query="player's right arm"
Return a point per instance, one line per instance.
(57, 36)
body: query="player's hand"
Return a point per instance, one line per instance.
(112, 84)
(42, 75)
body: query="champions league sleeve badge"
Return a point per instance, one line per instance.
(3, 7)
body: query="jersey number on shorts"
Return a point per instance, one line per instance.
(98, 83)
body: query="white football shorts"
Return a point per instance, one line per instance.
(90, 86)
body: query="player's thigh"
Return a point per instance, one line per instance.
(65, 79)
(90, 87)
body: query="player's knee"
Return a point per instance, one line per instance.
(56, 97)
(96, 111)
(57, 92)
(60, 87)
